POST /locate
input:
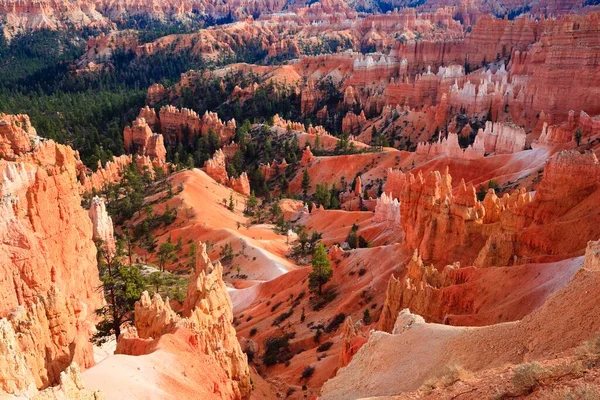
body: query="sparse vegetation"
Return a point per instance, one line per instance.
(277, 350)
(526, 377)
(335, 323)
(448, 376)
(367, 317)
(324, 346)
(307, 372)
(282, 317)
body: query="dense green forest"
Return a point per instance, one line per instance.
(90, 110)
(87, 111)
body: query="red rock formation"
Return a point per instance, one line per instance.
(592, 256)
(212, 122)
(49, 290)
(352, 340)
(216, 168)
(155, 93)
(17, 136)
(358, 187)
(353, 124)
(240, 184)
(420, 292)
(172, 120)
(230, 150)
(206, 321)
(139, 139)
(502, 138)
(112, 172)
(307, 156)
(450, 147)
(271, 170)
(150, 116)
(288, 125)
(394, 183)
(560, 69)
(564, 133)
(568, 172)
(435, 221)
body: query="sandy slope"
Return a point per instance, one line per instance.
(566, 319)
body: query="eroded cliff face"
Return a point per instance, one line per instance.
(49, 281)
(207, 325)
(20, 16)
(140, 139)
(216, 169)
(17, 136)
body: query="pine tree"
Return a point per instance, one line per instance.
(122, 286)
(166, 253)
(322, 272)
(231, 204)
(305, 184)
(578, 135)
(251, 204)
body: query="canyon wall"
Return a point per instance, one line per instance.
(49, 281)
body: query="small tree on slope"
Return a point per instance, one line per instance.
(322, 272)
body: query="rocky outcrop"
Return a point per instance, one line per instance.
(502, 138)
(139, 139)
(387, 210)
(352, 340)
(216, 169)
(450, 147)
(173, 121)
(207, 316)
(48, 289)
(592, 256)
(70, 386)
(307, 156)
(436, 221)
(111, 172)
(212, 123)
(498, 138)
(287, 125)
(186, 124)
(394, 182)
(102, 226)
(17, 136)
(270, 170)
(354, 124)
(566, 173)
(421, 290)
(230, 150)
(241, 184)
(155, 93)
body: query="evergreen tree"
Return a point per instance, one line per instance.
(578, 136)
(323, 195)
(305, 184)
(122, 287)
(251, 204)
(166, 253)
(322, 272)
(231, 205)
